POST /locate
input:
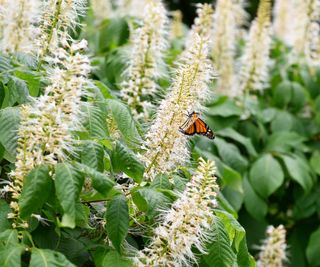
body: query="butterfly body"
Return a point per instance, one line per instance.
(195, 125)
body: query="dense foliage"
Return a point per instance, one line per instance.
(95, 207)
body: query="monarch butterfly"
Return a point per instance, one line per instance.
(195, 125)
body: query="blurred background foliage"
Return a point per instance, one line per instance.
(267, 146)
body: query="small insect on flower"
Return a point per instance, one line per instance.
(195, 125)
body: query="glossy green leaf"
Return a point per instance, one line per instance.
(284, 141)
(4, 210)
(220, 252)
(254, 204)
(9, 124)
(9, 238)
(48, 258)
(100, 181)
(314, 248)
(283, 121)
(105, 91)
(230, 154)
(36, 190)
(68, 184)
(224, 107)
(282, 94)
(117, 217)
(314, 162)
(246, 142)
(11, 256)
(95, 122)
(266, 175)
(32, 80)
(124, 121)
(235, 231)
(123, 160)
(92, 155)
(114, 259)
(299, 171)
(149, 200)
(161, 181)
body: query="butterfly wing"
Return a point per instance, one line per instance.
(195, 125)
(202, 128)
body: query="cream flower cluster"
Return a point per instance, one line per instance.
(203, 22)
(273, 249)
(312, 47)
(302, 33)
(102, 9)
(149, 43)
(224, 45)
(187, 224)
(45, 132)
(176, 25)
(255, 60)
(165, 146)
(58, 17)
(131, 7)
(282, 23)
(17, 22)
(241, 16)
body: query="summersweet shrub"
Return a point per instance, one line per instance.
(94, 170)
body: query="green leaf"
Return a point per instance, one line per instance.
(48, 258)
(284, 141)
(314, 162)
(113, 258)
(255, 205)
(11, 257)
(149, 200)
(298, 96)
(117, 217)
(283, 121)
(105, 91)
(244, 259)
(95, 122)
(266, 175)
(32, 81)
(224, 107)
(314, 248)
(220, 251)
(4, 210)
(68, 184)
(123, 160)
(246, 142)
(9, 124)
(299, 171)
(113, 34)
(5, 63)
(229, 176)
(230, 154)
(92, 155)
(161, 181)
(18, 91)
(282, 94)
(37, 188)
(100, 181)
(235, 231)
(124, 121)
(9, 238)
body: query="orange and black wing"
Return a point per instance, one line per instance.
(188, 127)
(202, 128)
(194, 125)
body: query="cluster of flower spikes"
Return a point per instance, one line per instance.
(149, 43)
(165, 147)
(186, 225)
